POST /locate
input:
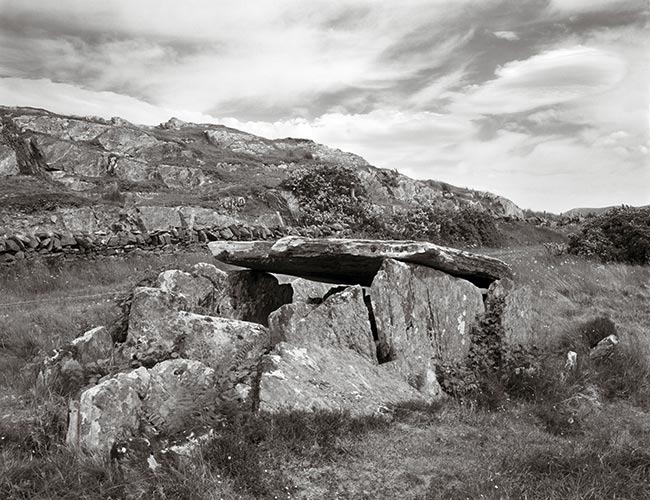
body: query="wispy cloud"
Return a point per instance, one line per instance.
(507, 35)
(474, 92)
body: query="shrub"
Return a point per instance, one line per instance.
(330, 194)
(448, 226)
(618, 235)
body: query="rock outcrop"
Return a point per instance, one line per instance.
(355, 261)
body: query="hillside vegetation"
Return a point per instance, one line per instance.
(617, 235)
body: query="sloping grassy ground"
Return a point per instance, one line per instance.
(575, 440)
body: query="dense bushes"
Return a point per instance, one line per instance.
(619, 235)
(445, 225)
(329, 194)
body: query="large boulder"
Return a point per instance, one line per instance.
(423, 318)
(231, 347)
(160, 400)
(108, 411)
(8, 163)
(312, 378)
(355, 261)
(341, 321)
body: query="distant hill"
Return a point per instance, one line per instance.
(52, 165)
(583, 212)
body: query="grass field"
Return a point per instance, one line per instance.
(587, 437)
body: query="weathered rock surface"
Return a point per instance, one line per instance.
(341, 321)
(178, 389)
(8, 163)
(516, 315)
(220, 343)
(93, 345)
(355, 261)
(423, 318)
(196, 289)
(161, 399)
(315, 378)
(152, 310)
(108, 411)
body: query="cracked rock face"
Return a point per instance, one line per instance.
(423, 318)
(341, 321)
(317, 378)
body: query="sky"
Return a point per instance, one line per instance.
(546, 102)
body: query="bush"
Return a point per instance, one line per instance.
(447, 226)
(329, 194)
(619, 235)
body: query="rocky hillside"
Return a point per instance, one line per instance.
(65, 173)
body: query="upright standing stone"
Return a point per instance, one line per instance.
(423, 318)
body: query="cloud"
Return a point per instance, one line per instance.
(506, 35)
(585, 6)
(552, 77)
(67, 99)
(474, 92)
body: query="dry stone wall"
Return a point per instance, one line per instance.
(22, 245)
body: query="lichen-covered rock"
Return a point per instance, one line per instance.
(181, 177)
(341, 321)
(311, 378)
(423, 319)
(108, 411)
(514, 303)
(197, 290)
(229, 346)
(70, 158)
(125, 139)
(211, 272)
(179, 388)
(151, 312)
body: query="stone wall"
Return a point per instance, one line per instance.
(19, 246)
